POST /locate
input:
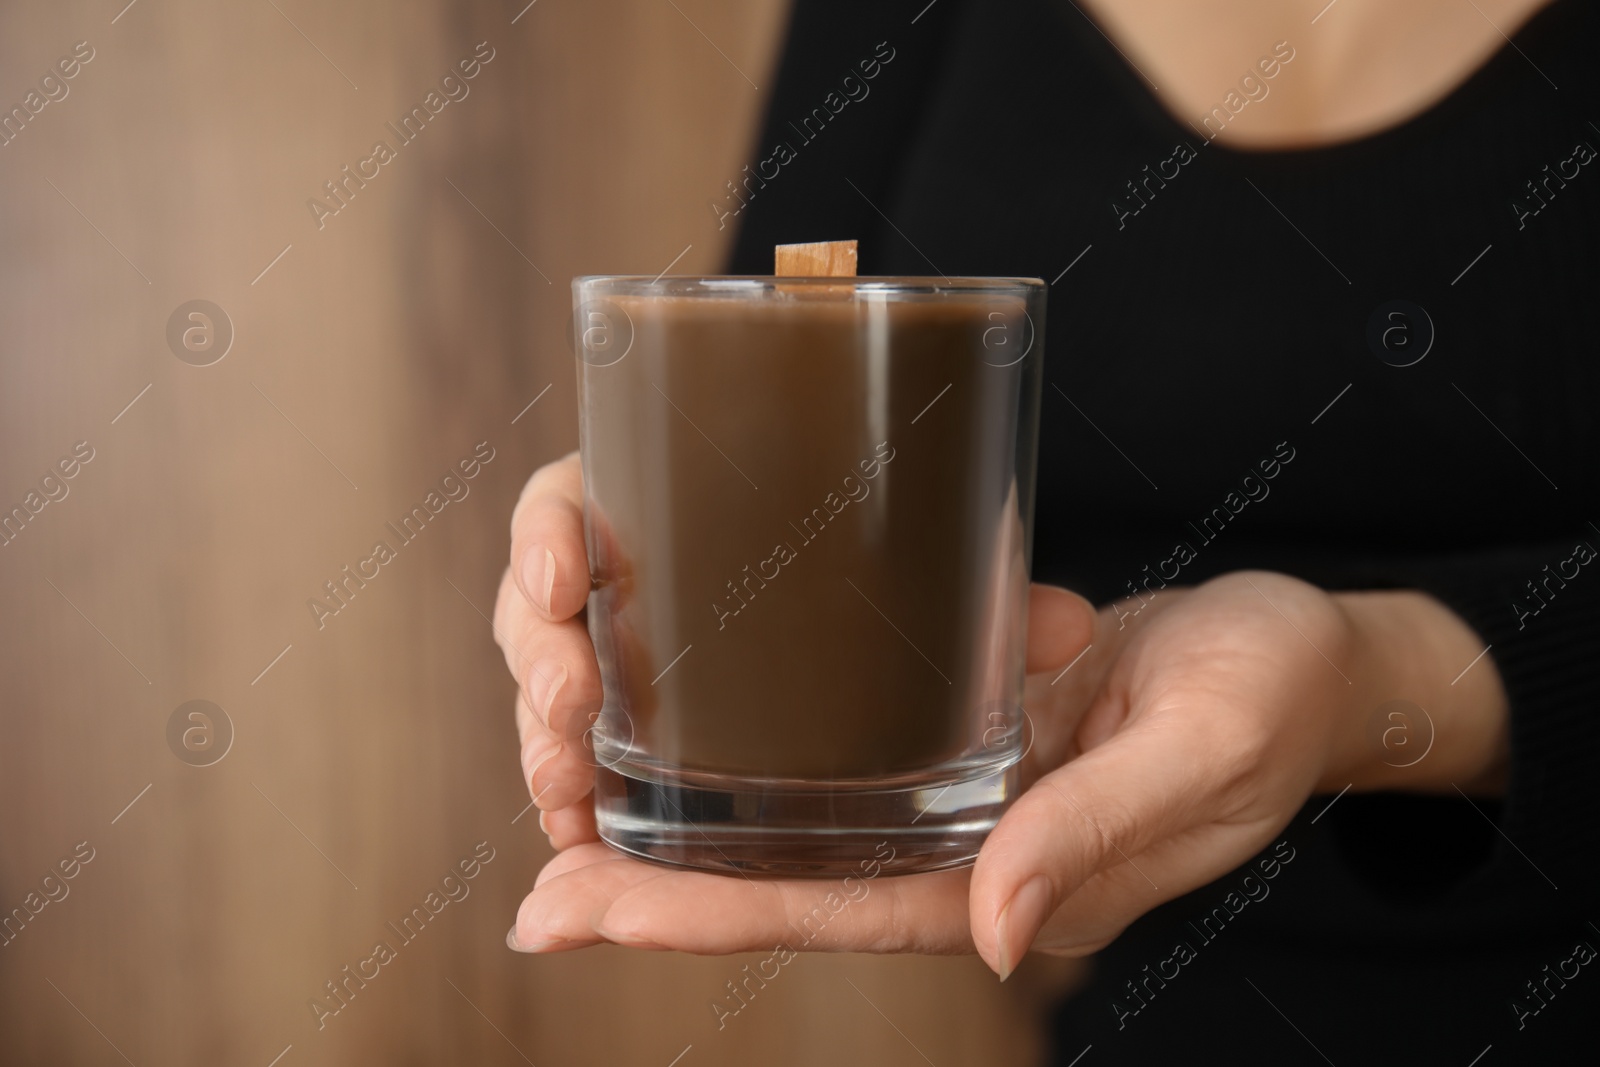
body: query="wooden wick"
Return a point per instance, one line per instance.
(820, 259)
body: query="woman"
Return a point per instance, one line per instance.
(1317, 435)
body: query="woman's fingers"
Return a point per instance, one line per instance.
(546, 644)
(548, 558)
(571, 860)
(554, 662)
(569, 826)
(527, 725)
(1061, 624)
(1071, 649)
(558, 772)
(590, 893)
(560, 677)
(1096, 813)
(1115, 896)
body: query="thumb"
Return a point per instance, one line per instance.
(1097, 813)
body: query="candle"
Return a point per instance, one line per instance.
(807, 512)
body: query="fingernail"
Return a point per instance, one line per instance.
(538, 946)
(533, 772)
(545, 678)
(1020, 920)
(539, 575)
(542, 826)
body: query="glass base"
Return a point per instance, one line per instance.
(756, 826)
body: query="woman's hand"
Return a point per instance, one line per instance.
(1212, 715)
(1180, 743)
(539, 626)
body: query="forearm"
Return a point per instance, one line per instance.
(1409, 647)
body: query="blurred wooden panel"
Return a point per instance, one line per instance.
(373, 750)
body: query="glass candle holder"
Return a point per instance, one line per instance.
(808, 511)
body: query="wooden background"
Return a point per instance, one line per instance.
(374, 354)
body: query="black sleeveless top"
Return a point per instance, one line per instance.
(1401, 328)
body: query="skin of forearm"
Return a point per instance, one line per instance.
(1407, 646)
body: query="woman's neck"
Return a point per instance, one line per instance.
(1358, 67)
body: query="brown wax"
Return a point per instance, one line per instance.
(816, 498)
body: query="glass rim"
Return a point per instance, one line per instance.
(735, 285)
